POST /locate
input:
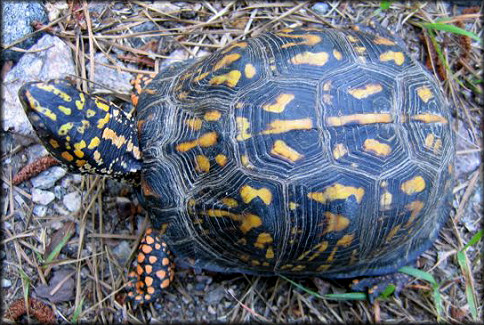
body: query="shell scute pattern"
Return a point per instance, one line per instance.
(324, 152)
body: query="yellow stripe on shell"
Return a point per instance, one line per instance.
(248, 193)
(281, 149)
(281, 126)
(425, 94)
(383, 41)
(194, 123)
(414, 185)
(242, 127)
(376, 147)
(337, 55)
(308, 39)
(226, 60)
(337, 192)
(248, 220)
(280, 103)
(368, 90)
(398, 57)
(230, 79)
(335, 222)
(212, 116)
(206, 140)
(317, 59)
(429, 118)
(263, 239)
(363, 119)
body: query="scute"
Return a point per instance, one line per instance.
(298, 152)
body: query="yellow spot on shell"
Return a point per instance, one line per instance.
(244, 159)
(293, 205)
(194, 123)
(360, 49)
(317, 59)
(226, 60)
(67, 156)
(102, 122)
(248, 220)
(78, 148)
(270, 253)
(337, 55)
(337, 192)
(335, 222)
(230, 202)
(65, 110)
(263, 239)
(377, 147)
(117, 140)
(281, 126)
(414, 185)
(352, 39)
(206, 140)
(415, 207)
(249, 71)
(429, 118)
(321, 247)
(230, 79)
(369, 118)
(398, 57)
(221, 159)
(242, 127)
(308, 39)
(345, 240)
(339, 151)
(368, 90)
(212, 116)
(249, 193)
(281, 149)
(383, 41)
(65, 128)
(280, 104)
(392, 233)
(424, 93)
(203, 164)
(54, 144)
(386, 200)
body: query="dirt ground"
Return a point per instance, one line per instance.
(84, 280)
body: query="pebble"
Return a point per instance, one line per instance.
(109, 78)
(40, 210)
(47, 178)
(215, 296)
(6, 283)
(59, 192)
(320, 7)
(61, 210)
(42, 197)
(50, 58)
(122, 251)
(72, 201)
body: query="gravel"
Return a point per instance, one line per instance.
(72, 201)
(42, 197)
(48, 178)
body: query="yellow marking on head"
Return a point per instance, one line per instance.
(85, 124)
(101, 105)
(339, 151)
(78, 148)
(230, 79)
(238, 44)
(317, 59)
(206, 140)
(368, 118)
(335, 222)
(370, 89)
(221, 160)
(67, 156)
(249, 193)
(293, 205)
(54, 144)
(242, 127)
(281, 149)
(35, 105)
(337, 192)
(65, 110)
(360, 49)
(414, 185)
(194, 123)
(280, 104)
(117, 140)
(376, 147)
(65, 128)
(102, 122)
(52, 89)
(94, 143)
(269, 254)
(230, 202)
(424, 93)
(383, 41)
(345, 240)
(212, 116)
(337, 55)
(263, 239)
(281, 126)
(248, 220)
(90, 113)
(429, 118)
(392, 233)
(308, 39)
(415, 207)
(386, 200)
(202, 163)
(81, 102)
(352, 39)
(226, 60)
(398, 57)
(249, 71)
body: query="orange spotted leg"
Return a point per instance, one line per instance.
(139, 85)
(154, 270)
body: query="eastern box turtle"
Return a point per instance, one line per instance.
(323, 152)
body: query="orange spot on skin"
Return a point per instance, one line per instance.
(139, 269)
(363, 119)
(280, 104)
(67, 156)
(165, 261)
(152, 259)
(161, 274)
(146, 249)
(149, 240)
(148, 281)
(109, 134)
(148, 269)
(141, 257)
(165, 283)
(150, 290)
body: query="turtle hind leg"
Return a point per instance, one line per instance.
(375, 286)
(152, 271)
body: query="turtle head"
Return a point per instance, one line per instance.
(85, 133)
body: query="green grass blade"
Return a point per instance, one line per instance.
(477, 236)
(346, 296)
(313, 293)
(77, 312)
(419, 274)
(384, 5)
(451, 29)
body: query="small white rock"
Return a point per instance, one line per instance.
(40, 210)
(48, 177)
(6, 283)
(122, 251)
(42, 197)
(72, 201)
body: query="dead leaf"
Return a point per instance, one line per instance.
(61, 287)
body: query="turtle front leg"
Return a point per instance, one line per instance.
(152, 271)
(375, 286)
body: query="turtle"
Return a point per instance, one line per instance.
(308, 151)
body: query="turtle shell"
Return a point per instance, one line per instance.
(306, 151)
